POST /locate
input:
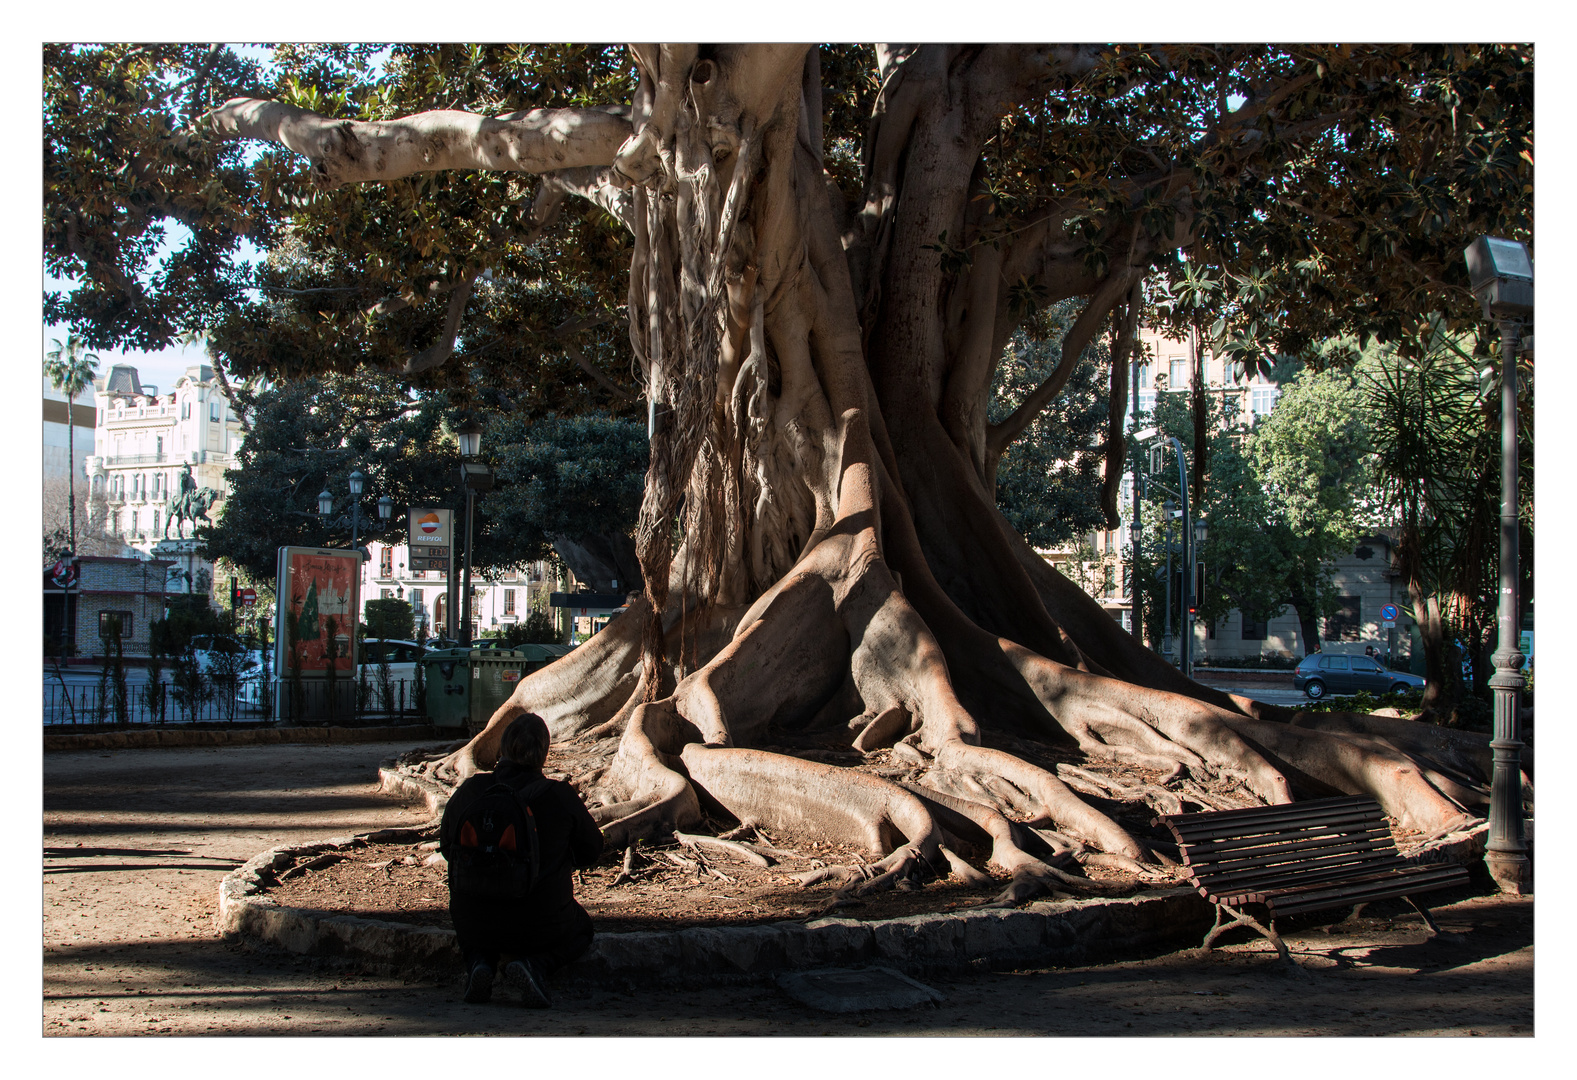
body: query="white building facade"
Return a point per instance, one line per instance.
(495, 604)
(143, 443)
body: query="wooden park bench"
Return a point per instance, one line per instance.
(1298, 857)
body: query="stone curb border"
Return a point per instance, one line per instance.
(174, 737)
(1045, 932)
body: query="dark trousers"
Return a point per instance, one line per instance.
(486, 927)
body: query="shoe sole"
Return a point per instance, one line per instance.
(530, 989)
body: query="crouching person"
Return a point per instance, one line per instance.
(512, 839)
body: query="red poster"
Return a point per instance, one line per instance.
(322, 599)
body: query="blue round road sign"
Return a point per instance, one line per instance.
(1388, 613)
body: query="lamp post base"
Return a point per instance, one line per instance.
(1512, 872)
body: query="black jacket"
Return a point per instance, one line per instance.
(566, 834)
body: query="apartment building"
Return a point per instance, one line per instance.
(144, 441)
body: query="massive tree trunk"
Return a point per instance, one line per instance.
(821, 453)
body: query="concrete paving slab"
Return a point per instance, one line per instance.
(847, 990)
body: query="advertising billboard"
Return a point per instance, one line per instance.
(317, 610)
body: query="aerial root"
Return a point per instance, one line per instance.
(962, 870)
(628, 871)
(1157, 798)
(727, 847)
(980, 826)
(1044, 794)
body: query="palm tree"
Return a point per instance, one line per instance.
(71, 370)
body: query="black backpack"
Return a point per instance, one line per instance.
(494, 851)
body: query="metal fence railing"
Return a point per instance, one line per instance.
(229, 702)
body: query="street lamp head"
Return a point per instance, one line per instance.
(1145, 434)
(1200, 530)
(357, 482)
(470, 436)
(325, 502)
(1500, 272)
(385, 508)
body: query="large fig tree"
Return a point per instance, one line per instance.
(821, 254)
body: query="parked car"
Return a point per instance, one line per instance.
(402, 657)
(1322, 673)
(214, 650)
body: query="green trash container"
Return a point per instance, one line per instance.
(465, 687)
(494, 675)
(540, 656)
(448, 676)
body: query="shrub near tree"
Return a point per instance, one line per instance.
(822, 254)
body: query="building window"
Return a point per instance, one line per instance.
(1177, 373)
(1144, 376)
(1254, 629)
(386, 562)
(1262, 399)
(213, 411)
(186, 410)
(108, 619)
(98, 485)
(1108, 580)
(1344, 624)
(155, 523)
(416, 597)
(509, 601)
(385, 594)
(158, 445)
(1146, 400)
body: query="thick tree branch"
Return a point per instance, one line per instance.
(354, 151)
(998, 436)
(575, 326)
(443, 348)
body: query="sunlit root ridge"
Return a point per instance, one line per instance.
(644, 767)
(808, 798)
(1355, 764)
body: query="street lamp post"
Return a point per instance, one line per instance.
(477, 477)
(357, 483)
(1168, 508)
(1200, 530)
(1186, 616)
(1501, 274)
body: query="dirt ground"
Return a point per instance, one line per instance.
(135, 842)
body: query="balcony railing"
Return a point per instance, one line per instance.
(136, 459)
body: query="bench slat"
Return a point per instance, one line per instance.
(1271, 884)
(1351, 858)
(1250, 812)
(1311, 842)
(1275, 818)
(1402, 882)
